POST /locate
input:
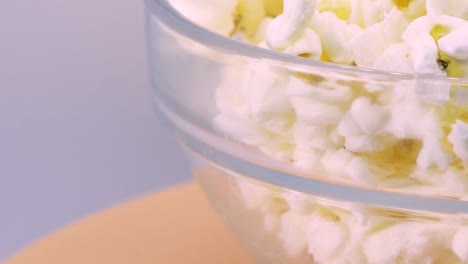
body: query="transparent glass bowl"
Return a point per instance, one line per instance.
(286, 212)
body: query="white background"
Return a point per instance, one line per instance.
(77, 128)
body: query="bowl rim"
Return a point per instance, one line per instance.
(342, 190)
(210, 39)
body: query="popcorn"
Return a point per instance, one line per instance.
(300, 203)
(215, 15)
(424, 53)
(312, 112)
(411, 8)
(455, 44)
(261, 33)
(341, 8)
(459, 139)
(286, 28)
(366, 13)
(292, 234)
(410, 243)
(326, 238)
(241, 128)
(432, 154)
(336, 161)
(395, 58)
(267, 102)
(335, 35)
(364, 55)
(455, 8)
(460, 244)
(311, 136)
(269, 202)
(393, 135)
(382, 35)
(308, 45)
(364, 172)
(348, 127)
(406, 112)
(364, 144)
(436, 92)
(456, 181)
(394, 25)
(249, 15)
(326, 91)
(306, 120)
(419, 37)
(370, 118)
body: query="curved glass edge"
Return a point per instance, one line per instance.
(262, 169)
(177, 22)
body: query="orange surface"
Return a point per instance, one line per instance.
(174, 226)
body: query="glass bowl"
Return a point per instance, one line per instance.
(319, 197)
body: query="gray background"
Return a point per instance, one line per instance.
(77, 128)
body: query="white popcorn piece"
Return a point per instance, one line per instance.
(424, 48)
(288, 27)
(335, 35)
(364, 172)
(459, 139)
(292, 232)
(311, 136)
(432, 153)
(455, 44)
(268, 104)
(215, 15)
(460, 244)
(366, 13)
(364, 144)
(436, 92)
(364, 54)
(429, 178)
(326, 239)
(348, 127)
(454, 8)
(325, 91)
(299, 87)
(455, 181)
(261, 33)
(231, 101)
(413, 8)
(410, 242)
(310, 111)
(370, 118)
(241, 128)
(395, 58)
(278, 150)
(361, 215)
(253, 195)
(270, 202)
(265, 91)
(382, 35)
(336, 138)
(424, 54)
(309, 45)
(336, 161)
(407, 112)
(394, 25)
(306, 158)
(300, 203)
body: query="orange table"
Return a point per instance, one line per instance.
(174, 226)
